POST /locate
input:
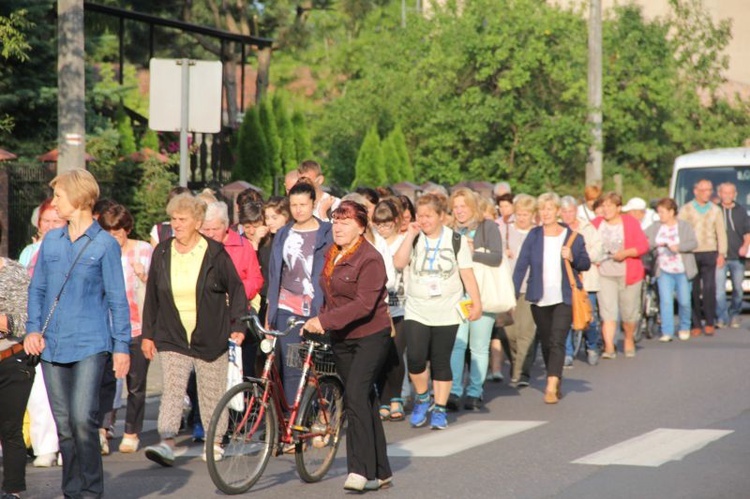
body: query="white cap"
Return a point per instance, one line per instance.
(635, 204)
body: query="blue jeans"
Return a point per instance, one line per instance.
(593, 333)
(73, 391)
(476, 336)
(669, 284)
(736, 270)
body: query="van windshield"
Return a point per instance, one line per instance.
(738, 175)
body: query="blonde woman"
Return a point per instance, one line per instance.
(483, 237)
(522, 333)
(543, 255)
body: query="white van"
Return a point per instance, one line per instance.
(718, 166)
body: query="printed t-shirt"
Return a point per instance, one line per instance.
(297, 292)
(669, 261)
(434, 269)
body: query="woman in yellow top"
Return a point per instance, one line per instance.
(194, 302)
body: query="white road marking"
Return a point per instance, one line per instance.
(654, 448)
(458, 438)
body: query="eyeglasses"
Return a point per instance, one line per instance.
(385, 225)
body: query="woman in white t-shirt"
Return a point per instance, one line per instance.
(387, 220)
(548, 288)
(439, 270)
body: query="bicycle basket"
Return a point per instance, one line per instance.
(323, 359)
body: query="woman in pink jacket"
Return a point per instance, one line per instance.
(621, 273)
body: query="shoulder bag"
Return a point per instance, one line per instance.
(495, 285)
(582, 313)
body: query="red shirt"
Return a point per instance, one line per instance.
(245, 261)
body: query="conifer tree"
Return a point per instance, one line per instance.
(286, 133)
(252, 152)
(370, 168)
(302, 142)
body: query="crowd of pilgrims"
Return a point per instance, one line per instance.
(380, 272)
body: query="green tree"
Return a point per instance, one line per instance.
(286, 133)
(406, 171)
(391, 160)
(150, 139)
(151, 196)
(12, 39)
(125, 129)
(370, 168)
(253, 158)
(302, 142)
(268, 123)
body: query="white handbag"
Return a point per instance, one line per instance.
(495, 285)
(234, 375)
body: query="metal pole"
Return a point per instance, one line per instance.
(594, 165)
(184, 121)
(71, 84)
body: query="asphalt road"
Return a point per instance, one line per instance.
(674, 422)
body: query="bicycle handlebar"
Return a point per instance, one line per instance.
(253, 322)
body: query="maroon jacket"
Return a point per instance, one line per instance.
(355, 305)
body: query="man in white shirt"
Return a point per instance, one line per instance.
(324, 202)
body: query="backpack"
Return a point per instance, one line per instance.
(164, 231)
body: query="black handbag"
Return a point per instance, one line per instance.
(33, 360)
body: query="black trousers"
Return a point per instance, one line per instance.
(136, 382)
(16, 379)
(359, 362)
(552, 326)
(703, 298)
(107, 393)
(430, 343)
(391, 377)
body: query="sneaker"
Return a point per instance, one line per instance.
(355, 481)
(438, 420)
(419, 414)
(160, 453)
(523, 382)
(198, 433)
(378, 483)
(710, 330)
(665, 338)
(684, 335)
(453, 403)
(103, 442)
(218, 453)
(45, 460)
(129, 445)
(10, 495)
(497, 377)
(473, 404)
(592, 357)
(568, 361)
(721, 324)
(696, 331)
(736, 322)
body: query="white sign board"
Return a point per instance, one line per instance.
(204, 97)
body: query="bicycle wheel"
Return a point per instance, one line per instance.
(247, 442)
(320, 421)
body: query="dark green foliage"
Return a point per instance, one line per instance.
(253, 154)
(268, 124)
(125, 129)
(302, 142)
(370, 168)
(150, 199)
(286, 133)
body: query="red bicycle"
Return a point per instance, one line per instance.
(262, 422)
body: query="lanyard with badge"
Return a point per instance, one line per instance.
(433, 281)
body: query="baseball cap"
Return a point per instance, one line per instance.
(635, 204)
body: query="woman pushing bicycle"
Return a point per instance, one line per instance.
(355, 311)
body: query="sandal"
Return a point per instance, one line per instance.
(398, 413)
(385, 412)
